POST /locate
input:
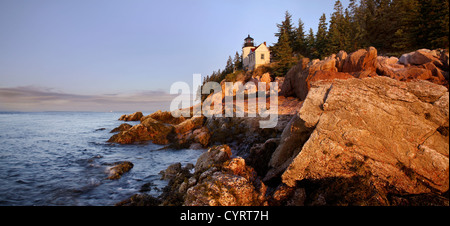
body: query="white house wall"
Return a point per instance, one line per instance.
(252, 60)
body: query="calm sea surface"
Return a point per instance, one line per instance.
(61, 158)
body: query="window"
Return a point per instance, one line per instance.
(262, 56)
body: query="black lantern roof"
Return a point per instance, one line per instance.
(248, 42)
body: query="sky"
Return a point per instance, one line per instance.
(117, 55)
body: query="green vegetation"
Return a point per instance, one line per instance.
(391, 26)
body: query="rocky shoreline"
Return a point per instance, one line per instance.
(353, 129)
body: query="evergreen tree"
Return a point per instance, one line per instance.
(321, 37)
(337, 31)
(284, 50)
(407, 21)
(229, 67)
(284, 56)
(311, 45)
(434, 24)
(287, 27)
(378, 22)
(366, 21)
(300, 45)
(237, 61)
(383, 26)
(348, 35)
(355, 31)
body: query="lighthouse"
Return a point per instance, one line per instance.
(253, 57)
(246, 49)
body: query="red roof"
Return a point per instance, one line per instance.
(254, 48)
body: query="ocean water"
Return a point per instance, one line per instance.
(61, 158)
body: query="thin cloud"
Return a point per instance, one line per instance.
(31, 98)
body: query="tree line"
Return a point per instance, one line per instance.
(391, 26)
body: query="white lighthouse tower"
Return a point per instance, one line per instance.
(246, 49)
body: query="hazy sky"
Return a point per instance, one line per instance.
(98, 54)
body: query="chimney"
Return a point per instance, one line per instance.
(265, 43)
